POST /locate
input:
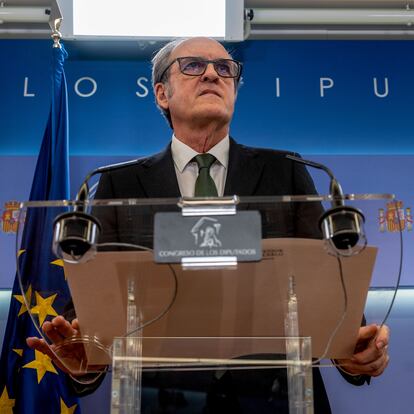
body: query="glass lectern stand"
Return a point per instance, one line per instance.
(206, 303)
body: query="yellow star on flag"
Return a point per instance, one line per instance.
(64, 409)
(42, 364)
(59, 262)
(20, 252)
(6, 403)
(18, 351)
(20, 299)
(44, 307)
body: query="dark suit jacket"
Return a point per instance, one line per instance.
(251, 172)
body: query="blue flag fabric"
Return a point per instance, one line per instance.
(29, 382)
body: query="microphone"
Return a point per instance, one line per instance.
(342, 226)
(76, 233)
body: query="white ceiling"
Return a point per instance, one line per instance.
(269, 31)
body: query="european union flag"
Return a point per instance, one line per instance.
(29, 381)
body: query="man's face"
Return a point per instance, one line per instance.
(197, 99)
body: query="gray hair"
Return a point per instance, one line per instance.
(160, 62)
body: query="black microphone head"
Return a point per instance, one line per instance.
(343, 228)
(75, 236)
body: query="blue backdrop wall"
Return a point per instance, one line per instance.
(336, 97)
(347, 104)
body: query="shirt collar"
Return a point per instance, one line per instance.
(182, 154)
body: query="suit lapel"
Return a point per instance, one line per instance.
(158, 177)
(245, 170)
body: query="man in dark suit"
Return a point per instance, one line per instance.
(195, 84)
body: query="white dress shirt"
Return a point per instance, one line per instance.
(187, 169)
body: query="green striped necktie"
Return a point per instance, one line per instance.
(205, 186)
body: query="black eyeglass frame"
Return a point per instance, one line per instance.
(214, 62)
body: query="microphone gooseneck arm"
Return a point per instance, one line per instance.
(76, 233)
(335, 189)
(341, 225)
(83, 192)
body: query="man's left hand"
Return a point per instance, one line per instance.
(371, 352)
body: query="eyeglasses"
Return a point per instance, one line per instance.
(196, 66)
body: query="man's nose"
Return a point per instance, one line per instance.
(210, 74)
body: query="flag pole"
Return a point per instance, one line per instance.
(55, 21)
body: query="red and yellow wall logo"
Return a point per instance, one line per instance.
(10, 217)
(395, 218)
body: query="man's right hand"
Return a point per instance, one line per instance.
(70, 358)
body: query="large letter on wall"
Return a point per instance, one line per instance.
(94, 87)
(385, 93)
(25, 91)
(144, 90)
(277, 87)
(325, 83)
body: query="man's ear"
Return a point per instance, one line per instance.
(161, 95)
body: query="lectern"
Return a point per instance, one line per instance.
(218, 288)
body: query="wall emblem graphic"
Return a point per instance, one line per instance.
(395, 217)
(206, 232)
(10, 217)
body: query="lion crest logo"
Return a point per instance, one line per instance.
(206, 232)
